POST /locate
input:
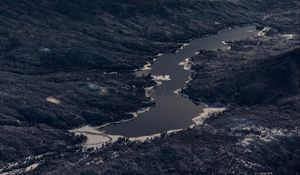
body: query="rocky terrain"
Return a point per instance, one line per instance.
(64, 64)
(257, 136)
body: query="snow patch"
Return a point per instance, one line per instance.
(158, 83)
(207, 112)
(143, 71)
(247, 141)
(187, 63)
(145, 138)
(288, 36)
(182, 46)
(53, 100)
(161, 77)
(135, 114)
(31, 167)
(264, 31)
(95, 137)
(178, 91)
(247, 164)
(147, 66)
(265, 134)
(15, 170)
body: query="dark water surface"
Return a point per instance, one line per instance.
(172, 111)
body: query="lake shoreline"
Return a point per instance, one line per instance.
(158, 79)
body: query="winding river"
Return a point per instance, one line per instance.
(172, 110)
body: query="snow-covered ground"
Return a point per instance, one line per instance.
(206, 113)
(95, 137)
(161, 77)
